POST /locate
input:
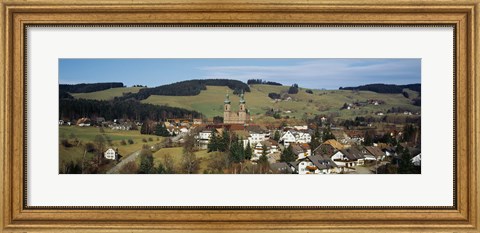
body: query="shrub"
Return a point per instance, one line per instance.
(90, 147)
(130, 141)
(66, 143)
(129, 168)
(150, 139)
(144, 140)
(123, 142)
(273, 95)
(309, 91)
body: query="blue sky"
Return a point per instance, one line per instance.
(310, 73)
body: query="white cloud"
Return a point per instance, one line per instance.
(327, 73)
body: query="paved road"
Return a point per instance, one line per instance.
(133, 156)
(119, 166)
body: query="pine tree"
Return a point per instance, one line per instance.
(213, 144)
(146, 162)
(368, 139)
(276, 136)
(237, 152)
(327, 134)
(405, 163)
(248, 151)
(224, 143)
(263, 160)
(145, 129)
(161, 130)
(287, 155)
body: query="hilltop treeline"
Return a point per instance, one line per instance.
(386, 88)
(260, 81)
(88, 87)
(133, 110)
(64, 95)
(187, 88)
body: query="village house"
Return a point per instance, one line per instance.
(258, 151)
(417, 160)
(197, 121)
(83, 122)
(306, 167)
(300, 127)
(347, 158)
(271, 148)
(172, 129)
(123, 126)
(355, 137)
(111, 154)
(340, 135)
(315, 164)
(287, 138)
(335, 144)
(280, 168)
(183, 129)
(323, 164)
(324, 149)
(256, 135)
(295, 137)
(204, 136)
(373, 151)
(274, 157)
(301, 150)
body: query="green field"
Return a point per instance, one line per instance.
(87, 134)
(176, 155)
(106, 94)
(210, 101)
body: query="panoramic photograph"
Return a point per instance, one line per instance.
(240, 116)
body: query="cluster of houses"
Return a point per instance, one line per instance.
(115, 124)
(341, 155)
(332, 156)
(359, 104)
(174, 126)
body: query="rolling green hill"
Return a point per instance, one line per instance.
(106, 94)
(210, 101)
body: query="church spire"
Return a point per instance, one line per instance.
(242, 100)
(227, 99)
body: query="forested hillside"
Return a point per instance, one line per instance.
(78, 108)
(187, 88)
(88, 87)
(385, 88)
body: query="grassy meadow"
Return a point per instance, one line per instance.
(210, 101)
(106, 94)
(87, 134)
(176, 154)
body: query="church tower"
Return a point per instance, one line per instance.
(226, 108)
(242, 113)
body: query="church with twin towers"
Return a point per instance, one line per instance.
(240, 117)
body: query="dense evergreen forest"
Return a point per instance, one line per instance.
(88, 87)
(133, 110)
(260, 81)
(386, 88)
(187, 88)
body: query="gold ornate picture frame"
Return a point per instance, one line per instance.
(17, 15)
